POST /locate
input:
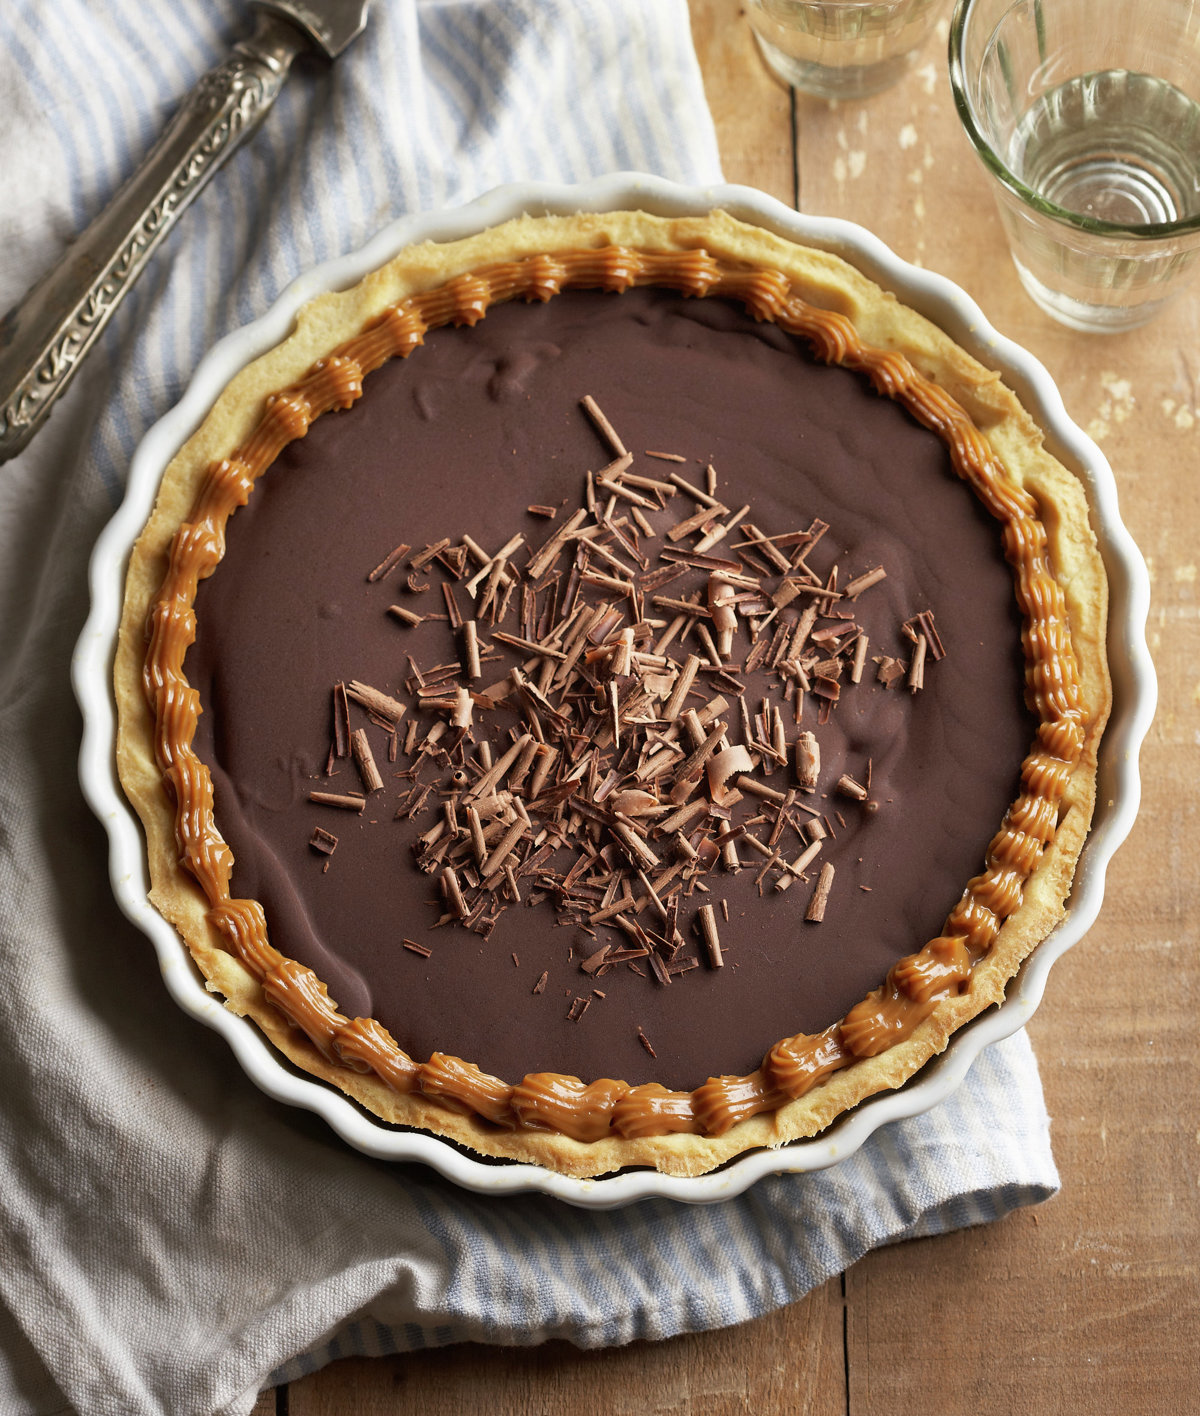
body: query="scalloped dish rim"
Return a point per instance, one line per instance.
(1134, 690)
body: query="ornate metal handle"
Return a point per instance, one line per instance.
(44, 339)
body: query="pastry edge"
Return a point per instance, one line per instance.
(880, 319)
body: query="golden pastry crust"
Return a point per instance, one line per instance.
(883, 325)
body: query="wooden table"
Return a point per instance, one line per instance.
(1088, 1304)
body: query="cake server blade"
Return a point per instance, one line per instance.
(44, 339)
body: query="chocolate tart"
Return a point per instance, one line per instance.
(646, 701)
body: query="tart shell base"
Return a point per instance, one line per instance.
(881, 322)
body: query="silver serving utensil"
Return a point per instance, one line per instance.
(43, 339)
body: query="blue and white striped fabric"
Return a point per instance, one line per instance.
(657, 1269)
(170, 1240)
(436, 103)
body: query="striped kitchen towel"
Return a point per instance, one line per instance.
(170, 1239)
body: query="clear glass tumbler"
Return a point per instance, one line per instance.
(841, 48)
(1086, 115)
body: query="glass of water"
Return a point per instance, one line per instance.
(841, 48)
(1087, 115)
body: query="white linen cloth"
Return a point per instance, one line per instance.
(170, 1239)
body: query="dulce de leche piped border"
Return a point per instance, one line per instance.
(795, 1065)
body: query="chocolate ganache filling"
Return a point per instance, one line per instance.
(460, 440)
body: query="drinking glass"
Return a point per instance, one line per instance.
(841, 48)
(1085, 114)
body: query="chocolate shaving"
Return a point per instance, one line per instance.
(684, 607)
(922, 624)
(820, 895)
(423, 558)
(470, 636)
(702, 498)
(615, 489)
(698, 521)
(346, 801)
(594, 962)
(364, 760)
(453, 893)
(388, 563)
(578, 1008)
(708, 931)
(543, 559)
(592, 409)
(936, 649)
(415, 800)
(530, 646)
(724, 767)
(405, 616)
(795, 871)
(888, 670)
(660, 578)
(808, 761)
(855, 587)
(323, 841)
(454, 558)
(371, 698)
(916, 670)
(454, 614)
(341, 721)
(766, 547)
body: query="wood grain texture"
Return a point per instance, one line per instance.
(1085, 1304)
(753, 114)
(1089, 1305)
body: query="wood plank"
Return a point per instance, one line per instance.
(1091, 1303)
(790, 1361)
(752, 110)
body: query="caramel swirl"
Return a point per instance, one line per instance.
(366, 1046)
(652, 1110)
(796, 1064)
(724, 1101)
(465, 1087)
(549, 1101)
